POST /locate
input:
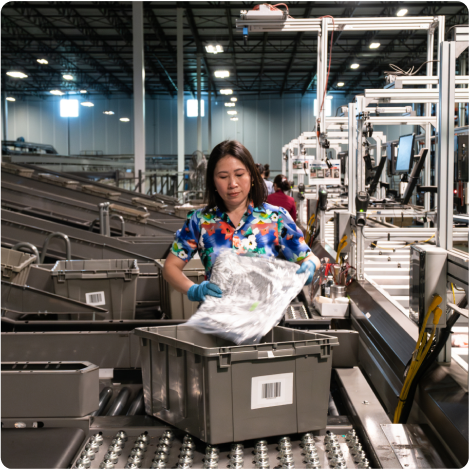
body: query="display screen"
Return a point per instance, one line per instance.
(404, 153)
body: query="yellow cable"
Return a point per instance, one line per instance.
(392, 249)
(339, 250)
(454, 295)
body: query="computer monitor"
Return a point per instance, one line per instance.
(404, 154)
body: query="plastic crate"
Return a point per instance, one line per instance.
(220, 392)
(49, 389)
(110, 284)
(176, 305)
(16, 266)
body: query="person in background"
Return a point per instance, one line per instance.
(279, 198)
(264, 172)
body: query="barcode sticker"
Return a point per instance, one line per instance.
(96, 298)
(271, 390)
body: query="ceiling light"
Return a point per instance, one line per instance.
(402, 12)
(226, 91)
(87, 104)
(234, 119)
(68, 108)
(234, 99)
(83, 91)
(109, 113)
(57, 92)
(124, 119)
(232, 113)
(67, 77)
(214, 49)
(43, 61)
(354, 65)
(341, 83)
(10, 98)
(222, 74)
(17, 74)
(374, 45)
(230, 104)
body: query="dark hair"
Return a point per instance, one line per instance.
(266, 170)
(282, 183)
(260, 168)
(258, 193)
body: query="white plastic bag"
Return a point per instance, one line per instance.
(256, 293)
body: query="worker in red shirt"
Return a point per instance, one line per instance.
(279, 198)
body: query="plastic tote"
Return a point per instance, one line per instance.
(220, 392)
(108, 283)
(16, 266)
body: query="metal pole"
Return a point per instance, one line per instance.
(322, 75)
(199, 106)
(4, 116)
(352, 158)
(140, 182)
(444, 227)
(428, 127)
(139, 89)
(209, 117)
(180, 82)
(462, 106)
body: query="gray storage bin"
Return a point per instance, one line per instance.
(49, 389)
(174, 304)
(16, 266)
(110, 284)
(220, 392)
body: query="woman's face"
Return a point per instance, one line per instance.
(232, 181)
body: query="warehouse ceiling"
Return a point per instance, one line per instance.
(92, 41)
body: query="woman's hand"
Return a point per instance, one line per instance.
(199, 292)
(309, 265)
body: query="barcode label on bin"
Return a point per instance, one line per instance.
(271, 390)
(95, 298)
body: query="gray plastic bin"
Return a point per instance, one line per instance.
(220, 392)
(174, 304)
(49, 389)
(16, 266)
(110, 284)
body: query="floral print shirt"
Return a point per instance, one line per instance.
(266, 231)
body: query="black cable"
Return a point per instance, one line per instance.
(428, 361)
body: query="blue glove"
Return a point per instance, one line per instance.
(198, 292)
(310, 267)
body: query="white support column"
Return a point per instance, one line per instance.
(321, 82)
(462, 106)
(139, 91)
(180, 102)
(4, 117)
(428, 127)
(352, 158)
(444, 237)
(199, 107)
(441, 38)
(209, 102)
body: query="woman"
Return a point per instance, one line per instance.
(279, 198)
(264, 172)
(236, 217)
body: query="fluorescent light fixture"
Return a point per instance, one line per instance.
(402, 12)
(67, 77)
(234, 99)
(10, 98)
(234, 119)
(375, 45)
(226, 91)
(17, 74)
(341, 83)
(354, 65)
(83, 91)
(43, 61)
(109, 113)
(192, 109)
(232, 113)
(87, 104)
(124, 119)
(68, 108)
(56, 92)
(214, 48)
(230, 104)
(222, 74)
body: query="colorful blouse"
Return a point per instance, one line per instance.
(267, 231)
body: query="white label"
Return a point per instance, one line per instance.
(272, 390)
(95, 298)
